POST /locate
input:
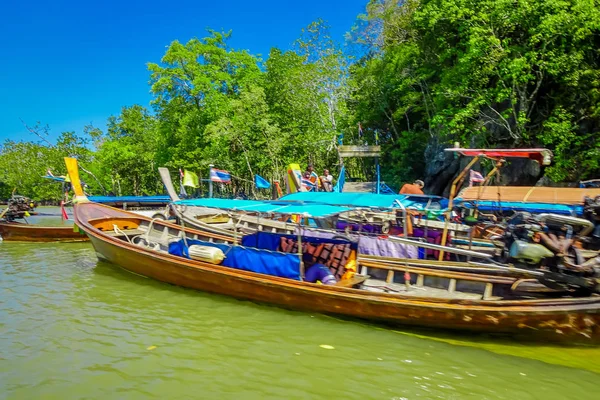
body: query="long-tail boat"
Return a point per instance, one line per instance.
(19, 232)
(407, 295)
(23, 232)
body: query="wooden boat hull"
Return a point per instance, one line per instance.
(14, 231)
(567, 319)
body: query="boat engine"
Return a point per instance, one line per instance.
(18, 207)
(591, 211)
(552, 243)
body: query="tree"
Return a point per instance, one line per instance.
(487, 73)
(193, 86)
(306, 92)
(23, 164)
(126, 156)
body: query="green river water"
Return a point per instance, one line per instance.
(72, 327)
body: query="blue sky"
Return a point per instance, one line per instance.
(70, 63)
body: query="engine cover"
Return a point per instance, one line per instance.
(529, 253)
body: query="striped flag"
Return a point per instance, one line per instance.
(218, 175)
(474, 177)
(307, 184)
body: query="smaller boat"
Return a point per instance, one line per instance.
(19, 232)
(10, 230)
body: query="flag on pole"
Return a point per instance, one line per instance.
(63, 211)
(475, 177)
(308, 185)
(279, 191)
(218, 175)
(261, 183)
(339, 186)
(182, 192)
(190, 179)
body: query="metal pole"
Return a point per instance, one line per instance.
(378, 175)
(484, 184)
(453, 250)
(210, 183)
(377, 164)
(404, 216)
(300, 255)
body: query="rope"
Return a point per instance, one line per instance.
(149, 229)
(241, 179)
(118, 230)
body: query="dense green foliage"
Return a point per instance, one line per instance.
(497, 73)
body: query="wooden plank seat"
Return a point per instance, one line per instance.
(439, 273)
(376, 285)
(122, 232)
(452, 277)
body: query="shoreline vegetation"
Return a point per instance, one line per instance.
(416, 76)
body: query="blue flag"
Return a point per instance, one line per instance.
(261, 183)
(339, 186)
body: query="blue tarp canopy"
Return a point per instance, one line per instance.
(277, 207)
(486, 205)
(357, 199)
(130, 199)
(255, 260)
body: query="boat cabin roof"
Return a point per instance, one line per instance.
(495, 206)
(268, 207)
(371, 200)
(542, 156)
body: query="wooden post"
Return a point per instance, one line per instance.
(452, 286)
(390, 276)
(489, 288)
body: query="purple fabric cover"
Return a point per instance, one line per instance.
(371, 245)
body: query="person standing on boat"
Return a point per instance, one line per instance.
(313, 177)
(327, 181)
(413, 188)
